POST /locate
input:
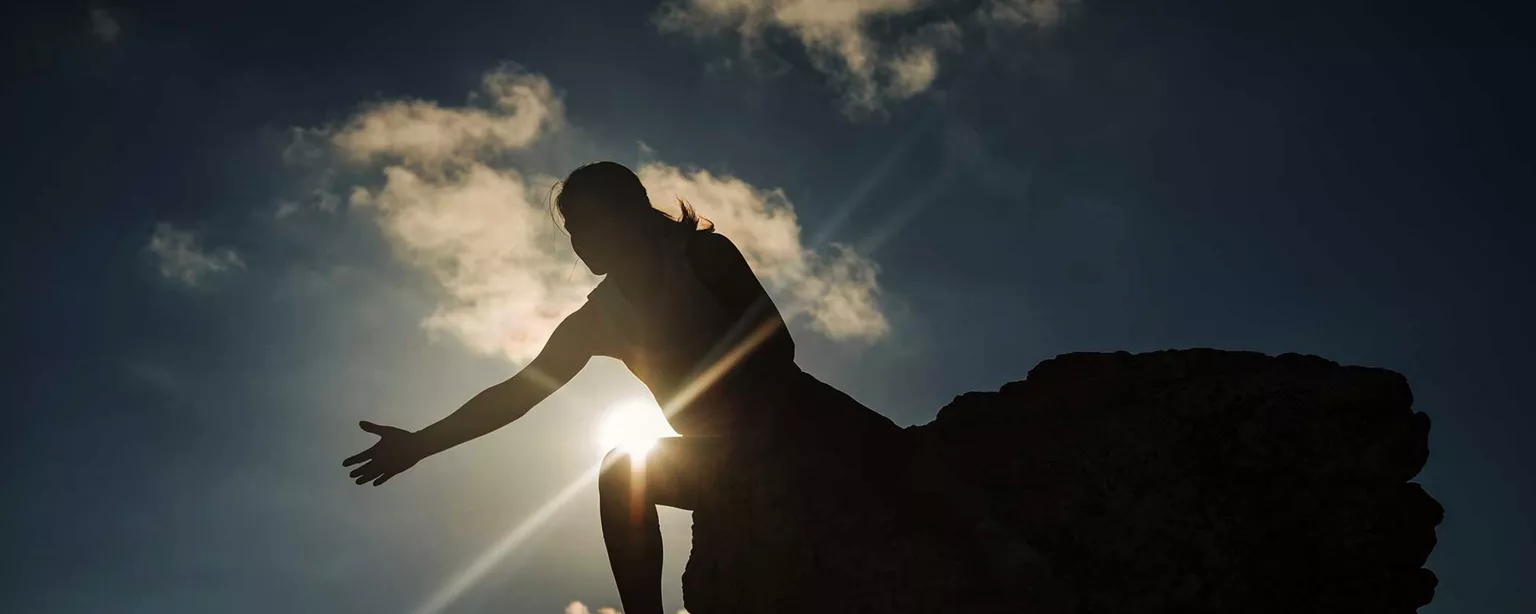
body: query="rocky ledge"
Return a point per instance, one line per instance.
(1176, 481)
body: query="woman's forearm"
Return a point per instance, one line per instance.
(492, 409)
(562, 357)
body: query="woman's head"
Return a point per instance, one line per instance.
(605, 209)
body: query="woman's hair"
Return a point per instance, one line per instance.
(616, 188)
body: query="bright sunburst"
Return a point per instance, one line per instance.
(633, 426)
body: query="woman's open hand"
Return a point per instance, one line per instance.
(396, 451)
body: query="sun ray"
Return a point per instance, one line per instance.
(904, 213)
(873, 178)
(718, 367)
(461, 582)
(633, 426)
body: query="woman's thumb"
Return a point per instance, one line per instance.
(371, 427)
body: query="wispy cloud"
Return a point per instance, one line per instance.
(1024, 12)
(180, 256)
(522, 106)
(480, 228)
(104, 26)
(838, 36)
(836, 292)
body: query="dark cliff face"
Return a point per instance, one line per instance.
(1177, 481)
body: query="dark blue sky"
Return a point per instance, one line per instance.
(1345, 179)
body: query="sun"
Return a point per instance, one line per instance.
(633, 426)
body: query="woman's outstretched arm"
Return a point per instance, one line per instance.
(566, 352)
(562, 357)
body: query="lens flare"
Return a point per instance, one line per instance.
(467, 578)
(633, 426)
(622, 429)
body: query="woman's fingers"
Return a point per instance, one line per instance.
(371, 472)
(379, 429)
(358, 458)
(372, 468)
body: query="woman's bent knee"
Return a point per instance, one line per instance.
(617, 458)
(616, 474)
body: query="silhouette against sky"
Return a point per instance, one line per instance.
(233, 232)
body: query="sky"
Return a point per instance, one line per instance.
(234, 230)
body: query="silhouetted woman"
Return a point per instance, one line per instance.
(684, 312)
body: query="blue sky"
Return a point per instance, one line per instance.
(198, 309)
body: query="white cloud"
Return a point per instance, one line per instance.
(832, 31)
(104, 26)
(180, 257)
(836, 292)
(506, 270)
(522, 107)
(481, 230)
(837, 36)
(913, 71)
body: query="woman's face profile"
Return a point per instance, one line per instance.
(594, 237)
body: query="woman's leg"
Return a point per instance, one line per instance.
(629, 490)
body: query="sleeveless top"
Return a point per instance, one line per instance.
(672, 340)
(672, 336)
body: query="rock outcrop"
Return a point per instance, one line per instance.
(1177, 481)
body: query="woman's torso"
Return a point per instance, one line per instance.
(677, 339)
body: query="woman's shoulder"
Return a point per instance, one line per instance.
(609, 303)
(604, 291)
(708, 241)
(713, 254)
